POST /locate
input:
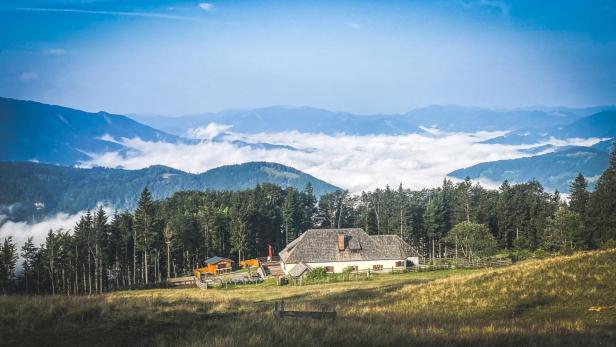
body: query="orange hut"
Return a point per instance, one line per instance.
(215, 266)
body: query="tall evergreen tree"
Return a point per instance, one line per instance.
(507, 232)
(99, 236)
(28, 254)
(143, 225)
(309, 208)
(578, 195)
(290, 215)
(8, 255)
(601, 210)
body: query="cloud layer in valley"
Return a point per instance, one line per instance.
(21, 231)
(355, 163)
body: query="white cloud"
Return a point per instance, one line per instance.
(353, 162)
(29, 76)
(54, 51)
(109, 13)
(206, 6)
(208, 132)
(21, 231)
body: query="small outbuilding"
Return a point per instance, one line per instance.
(299, 270)
(337, 250)
(215, 266)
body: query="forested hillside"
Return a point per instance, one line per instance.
(128, 248)
(554, 170)
(31, 191)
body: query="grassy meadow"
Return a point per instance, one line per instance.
(564, 301)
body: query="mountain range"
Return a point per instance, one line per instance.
(33, 190)
(315, 120)
(284, 118)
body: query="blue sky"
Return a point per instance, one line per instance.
(188, 57)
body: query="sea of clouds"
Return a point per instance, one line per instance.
(351, 162)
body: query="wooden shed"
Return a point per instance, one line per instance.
(215, 266)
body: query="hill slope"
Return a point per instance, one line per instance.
(553, 170)
(61, 135)
(66, 189)
(562, 301)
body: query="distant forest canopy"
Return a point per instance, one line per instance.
(129, 249)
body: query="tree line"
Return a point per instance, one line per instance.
(170, 237)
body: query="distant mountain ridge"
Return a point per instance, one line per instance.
(33, 190)
(284, 118)
(471, 119)
(60, 135)
(598, 125)
(553, 170)
(315, 120)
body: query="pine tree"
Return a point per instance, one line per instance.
(309, 208)
(504, 213)
(432, 225)
(28, 254)
(601, 210)
(8, 255)
(50, 253)
(239, 231)
(289, 215)
(579, 195)
(99, 235)
(143, 222)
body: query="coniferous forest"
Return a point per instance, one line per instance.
(128, 249)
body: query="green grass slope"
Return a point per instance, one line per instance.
(563, 301)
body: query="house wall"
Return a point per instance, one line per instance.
(339, 266)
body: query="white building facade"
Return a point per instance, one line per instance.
(337, 250)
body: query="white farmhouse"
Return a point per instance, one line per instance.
(338, 249)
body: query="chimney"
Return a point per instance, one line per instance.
(341, 245)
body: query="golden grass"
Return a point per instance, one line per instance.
(569, 300)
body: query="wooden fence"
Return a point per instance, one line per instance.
(280, 312)
(460, 263)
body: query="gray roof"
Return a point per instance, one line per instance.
(216, 259)
(321, 245)
(299, 269)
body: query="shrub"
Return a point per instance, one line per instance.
(608, 244)
(318, 273)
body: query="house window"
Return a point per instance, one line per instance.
(377, 267)
(353, 267)
(329, 269)
(400, 263)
